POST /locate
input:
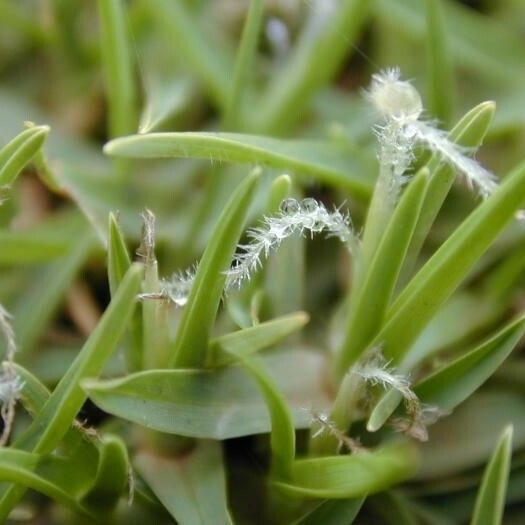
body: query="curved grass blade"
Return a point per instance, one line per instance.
(212, 404)
(57, 415)
(469, 132)
(329, 163)
(282, 436)
(64, 483)
(490, 501)
(255, 338)
(443, 273)
(15, 155)
(191, 343)
(243, 64)
(118, 66)
(351, 476)
(111, 478)
(374, 295)
(333, 512)
(192, 487)
(455, 382)
(441, 86)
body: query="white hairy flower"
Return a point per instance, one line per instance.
(376, 370)
(294, 217)
(399, 105)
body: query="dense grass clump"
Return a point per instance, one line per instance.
(262, 262)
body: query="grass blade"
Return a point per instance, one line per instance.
(243, 64)
(57, 415)
(329, 163)
(490, 501)
(455, 382)
(255, 338)
(118, 66)
(443, 273)
(374, 295)
(441, 85)
(15, 155)
(351, 476)
(193, 487)
(333, 512)
(199, 314)
(214, 403)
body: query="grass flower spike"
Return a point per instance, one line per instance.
(399, 105)
(295, 217)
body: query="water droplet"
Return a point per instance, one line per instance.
(289, 206)
(309, 205)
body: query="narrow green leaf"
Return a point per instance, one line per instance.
(57, 415)
(282, 437)
(333, 512)
(352, 476)
(441, 82)
(255, 338)
(329, 163)
(469, 132)
(490, 501)
(243, 64)
(118, 66)
(374, 295)
(448, 386)
(212, 404)
(15, 155)
(118, 264)
(322, 47)
(22, 247)
(443, 273)
(186, 36)
(279, 190)
(199, 314)
(111, 478)
(383, 409)
(193, 487)
(64, 484)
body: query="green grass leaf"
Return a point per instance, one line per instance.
(450, 385)
(243, 64)
(441, 81)
(15, 155)
(469, 132)
(211, 404)
(111, 478)
(443, 273)
(329, 163)
(57, 415)
(490, 502)
(255, 338)
(55, 476)
(192, 487)
(191, 343)
(118, 64)
(351, 476)
(374, 295)
(282, 436)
